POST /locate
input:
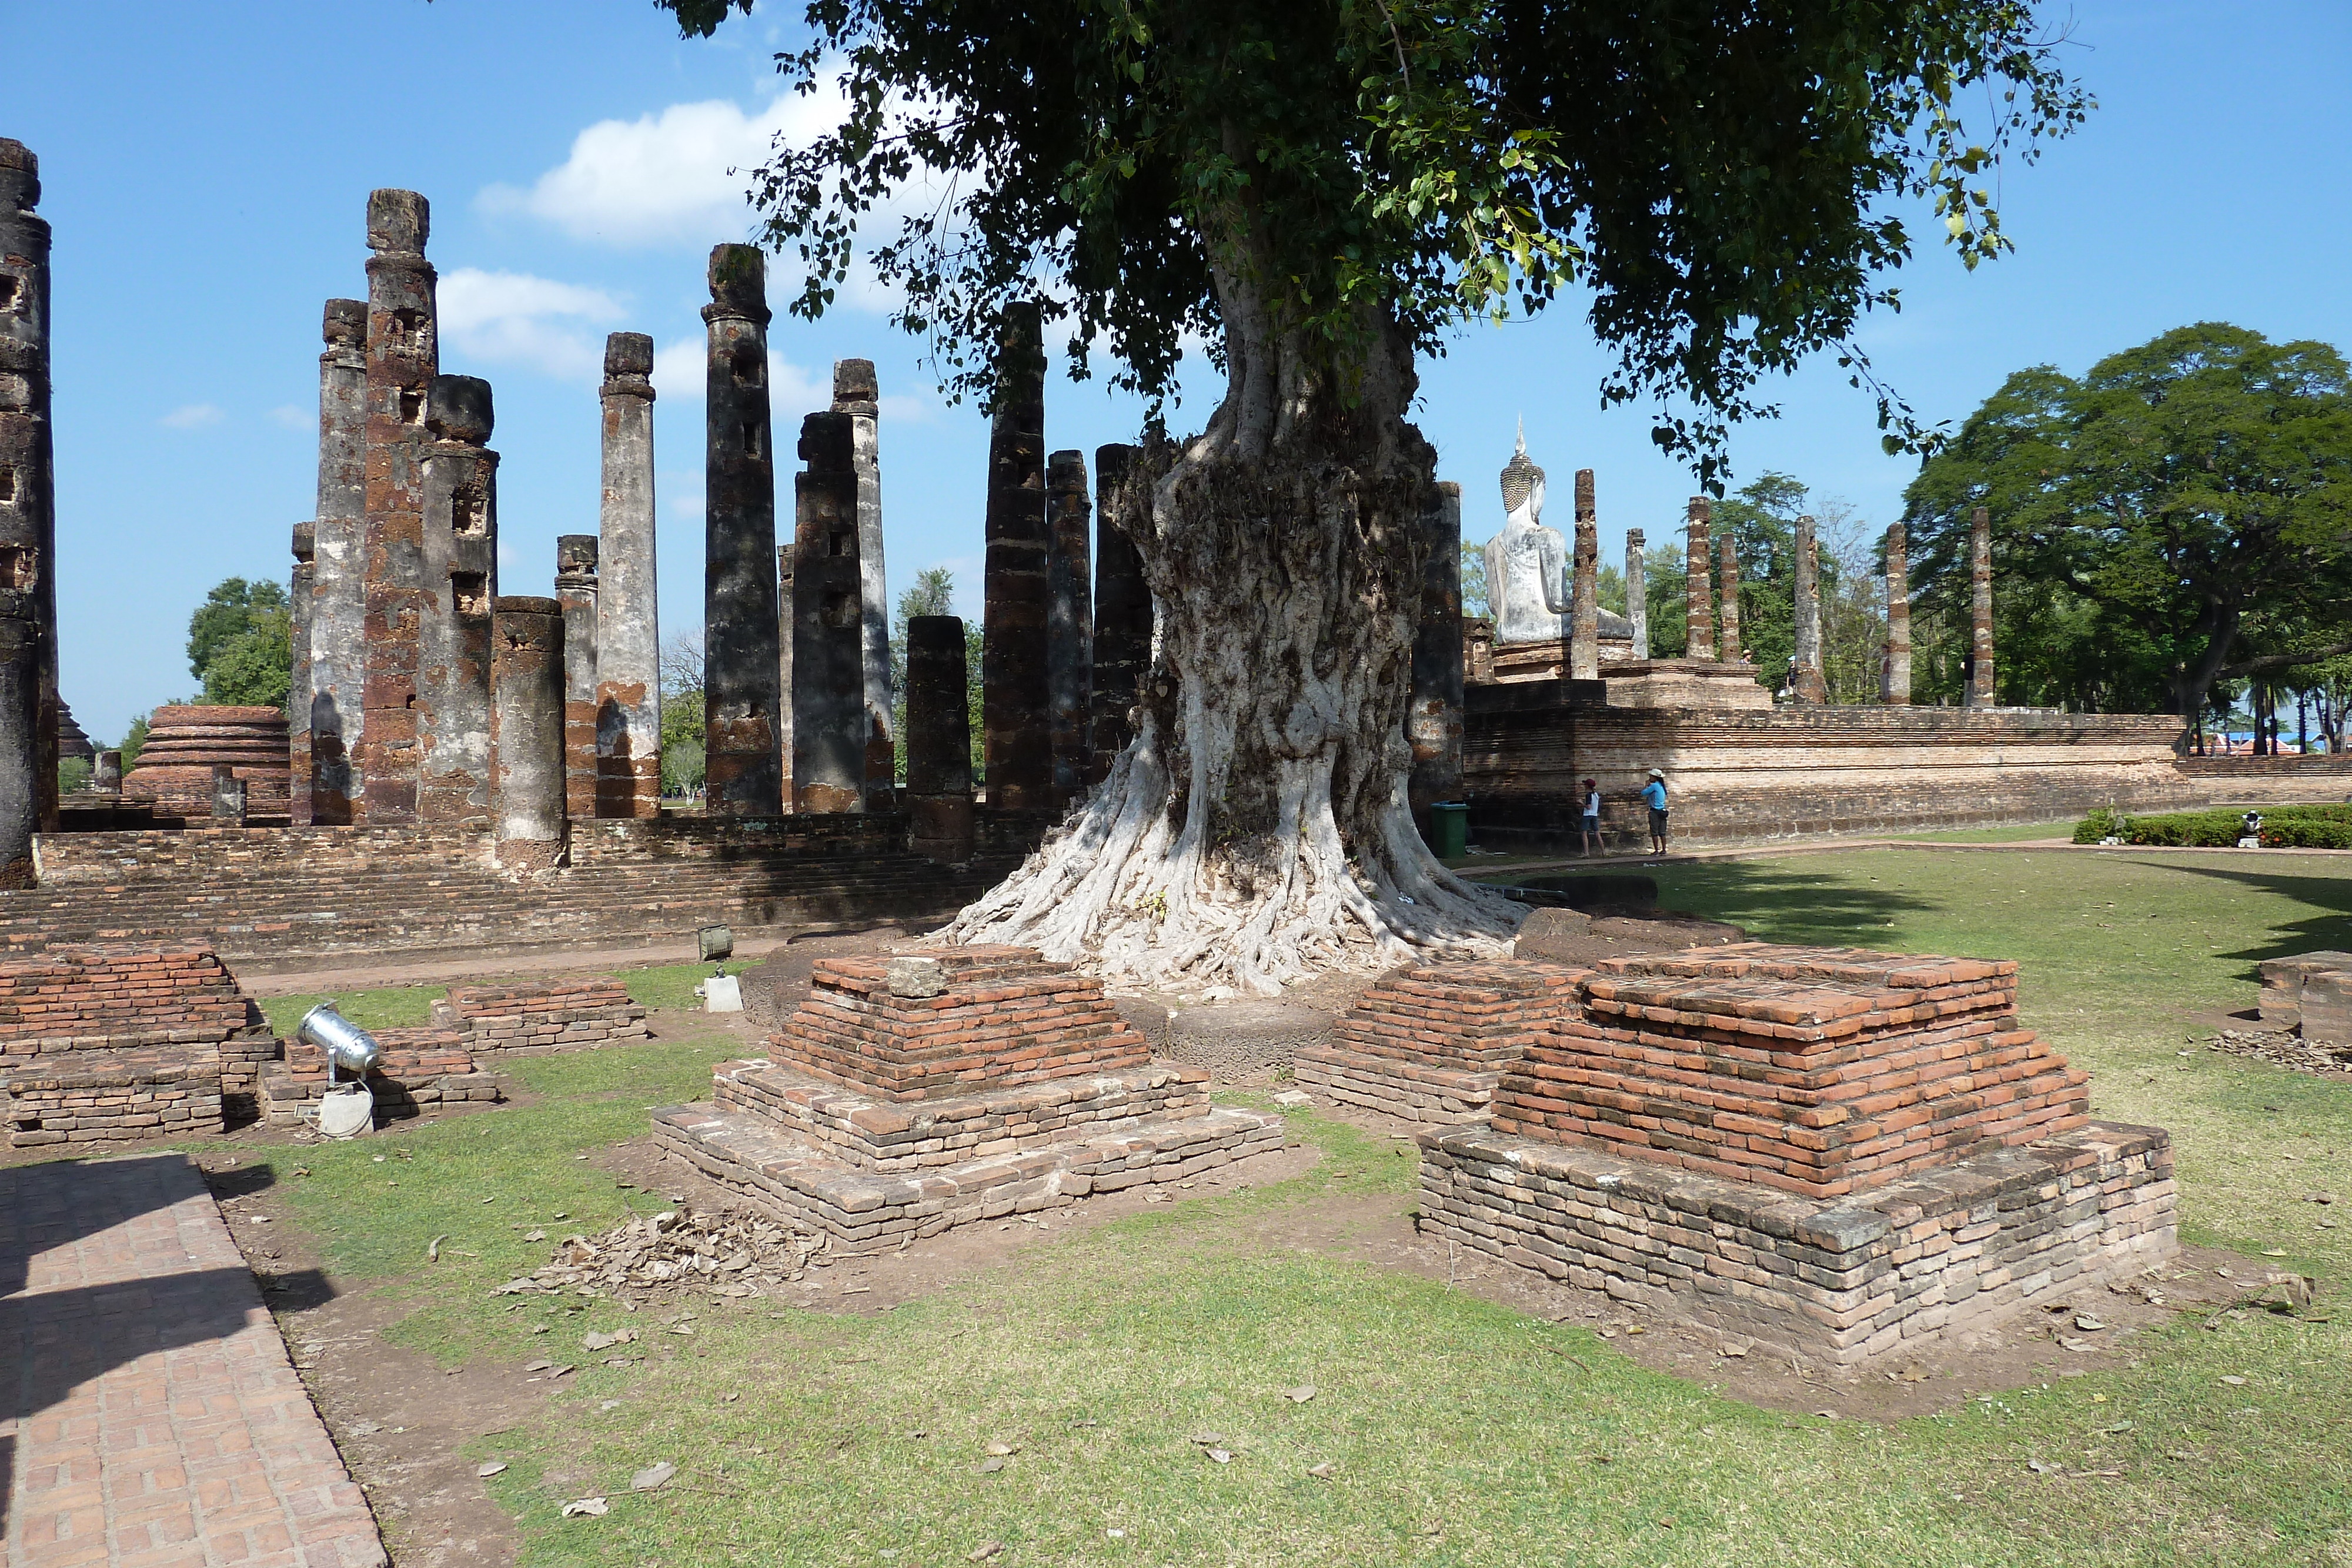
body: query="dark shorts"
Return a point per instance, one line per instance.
(1657, 823)
(1593, 824)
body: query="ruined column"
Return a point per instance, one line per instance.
(20, 705)
(1069, 621)
(1432, 719)
(576, 590)
(29, 517)
(1727, 610)
(855, 394)
(1981, 609)
(228, 797)
(1698, 594)
(829, 719)
(1016, 739)
(527, 732)
(300, 604)
(338, 580)
(1895, 679)
(1637, 593)
(939, 740)
(1122, 613)
(106, 771)
(629, 620)
(1584, 587)
(784, 668)
(403, 357)
(460, 527)
(742, 760)
(1805, 682)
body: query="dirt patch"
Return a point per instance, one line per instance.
(1617, 935)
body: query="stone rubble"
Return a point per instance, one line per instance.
(718, 1251)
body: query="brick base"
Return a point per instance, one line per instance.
(535, 1020)
(1836, 1280)
(114, 1097)
(423, 1069)
(1047, 1144)
(1406, 1089)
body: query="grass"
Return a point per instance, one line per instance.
(1460, 1433)
(394, 1007)
(2016, 833)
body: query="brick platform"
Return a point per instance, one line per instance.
(904, 1098)
(156, 1418)
(531, 1020)
(1429, 1044)
(1829, 1150)
(114, 1097)
(423, 1070)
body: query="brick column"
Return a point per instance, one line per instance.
(1016, 736)
(939, 740)
(856, 395)
(29, 517)
(460, 508)
(1894, 678)
(339, 586)
(829, 720)
(1805, 682)
(20, 708)
(628, 617)
(527, 733)
(1726, 605)
(1980, 692)
(1698, 595)
(1069, 621)
(301, 603)
(1432, 719)
(1122, 616)
(1584, 587)
(742, 759)
(576, 590)
(403, 357)
(1637, 593)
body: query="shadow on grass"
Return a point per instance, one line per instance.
(1781, 902)
(2330, 897)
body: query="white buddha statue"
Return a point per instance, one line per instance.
(1528, 564)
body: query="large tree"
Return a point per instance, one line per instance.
(2182, 500)
(1321, 192)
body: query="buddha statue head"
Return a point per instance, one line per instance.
(1523, 483)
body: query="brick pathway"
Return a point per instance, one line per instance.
(153, 1419)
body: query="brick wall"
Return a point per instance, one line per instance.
(1429, 1043)
(563, 1015)
(117, 999)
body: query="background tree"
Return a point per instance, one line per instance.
(1323, 192)
(134, 741)
(2151, 515)
(1668, 575)
(240, 644)
(682, 718)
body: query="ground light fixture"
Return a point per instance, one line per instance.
(347, 1108)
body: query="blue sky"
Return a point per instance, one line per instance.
(206, 169)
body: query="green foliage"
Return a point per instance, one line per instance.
(73, 774)
(233, 608)
(255, 667)
(1760, 522)
(2183, 499)
(1717, 176)
(134, 741)
(2284, 827)
(1475, 596)
(1669, 583)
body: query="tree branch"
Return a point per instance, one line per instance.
(2269, 661)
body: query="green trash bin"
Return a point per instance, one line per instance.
(1449, 828)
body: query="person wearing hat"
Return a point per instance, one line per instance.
(1592, 831)
(1654, 795)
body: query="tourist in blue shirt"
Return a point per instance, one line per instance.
(1654, 794)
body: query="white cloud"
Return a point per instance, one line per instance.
(192, 416)
(513, 317)
(294, 418)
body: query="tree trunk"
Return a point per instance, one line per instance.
(2220, 624)
(1257, 832)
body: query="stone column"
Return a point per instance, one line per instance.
(106, 772)
(829, 719)
(1981, 609)
(1805, 682)
(1698, 594)
(527, 733)
(1727, 606)
(1637, 593)
(302, 602)
(1432, 719)
(784, 669)
(576, 590)
(1069, 621)
(855, 394)
(20, 705)
(742, 759)
(628, 619)
(939, 740)
(1016, 739)
(339, 584)
(28, 516)
(1895, 679)
(228, 797)
(403, 357)
(460, 513)
(1584, 587)
(1122, 613)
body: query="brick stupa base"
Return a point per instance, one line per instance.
(423, 1071)
(1830, 1151)
(1430, 1044)
(909, 1096)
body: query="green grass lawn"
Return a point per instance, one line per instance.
(1459, 1432)
(2015, 834)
